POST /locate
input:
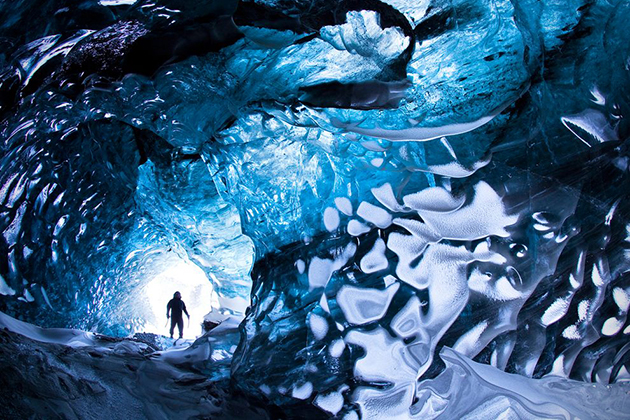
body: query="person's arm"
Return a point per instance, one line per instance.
(184, 308)
(168, 310)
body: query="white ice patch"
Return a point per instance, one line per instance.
(319, 326)
(323, 302)
(363, 35)
(621, 298)
(60, 224)
(418, 229)
(500, 289)
(360, 305)
(344, 205)
(28, 296)
(4, 288)
(435, 199)
(337, 347)
(467, 344)
(375, 215)
(506, 291)
(582, 309)
(386, 358)
(482, 252)
(598, 97)
(485, 216)
(555, 311)
(301, 266)
(320, 269)
(447, 218)
(332, 402)
(442, 271)
(456, 170)
(331, 219)
(612, 326)
(319, 272)
(571, 333)
(575, 283)
(385, 195)
(557, 369)
(375, 260)
(68, 337)
(303, 391)
(389, 279)
(356, 228)
(596, 276)
(377, 162)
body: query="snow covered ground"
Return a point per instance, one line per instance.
(71, 374)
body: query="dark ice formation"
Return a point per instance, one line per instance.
(422, 204)
(70, 374)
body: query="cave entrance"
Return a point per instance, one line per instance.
(197, 293)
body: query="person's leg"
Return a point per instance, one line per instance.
(180, 326)
(172, 326)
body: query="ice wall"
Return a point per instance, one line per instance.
(414, 177)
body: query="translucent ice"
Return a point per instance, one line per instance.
(405, 200)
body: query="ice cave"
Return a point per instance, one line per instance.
(372, 209)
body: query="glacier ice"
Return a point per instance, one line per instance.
(417, 208)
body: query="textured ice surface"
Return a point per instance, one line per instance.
(416, 199)
(62, 373)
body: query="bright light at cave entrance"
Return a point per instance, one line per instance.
(197, 293)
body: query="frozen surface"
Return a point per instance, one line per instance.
(403, 200)
(50, 373)
(129, 378)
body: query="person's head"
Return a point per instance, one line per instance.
(177, 295)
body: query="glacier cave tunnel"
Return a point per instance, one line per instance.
(372, 209)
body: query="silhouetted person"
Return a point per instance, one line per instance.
(174, 311)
